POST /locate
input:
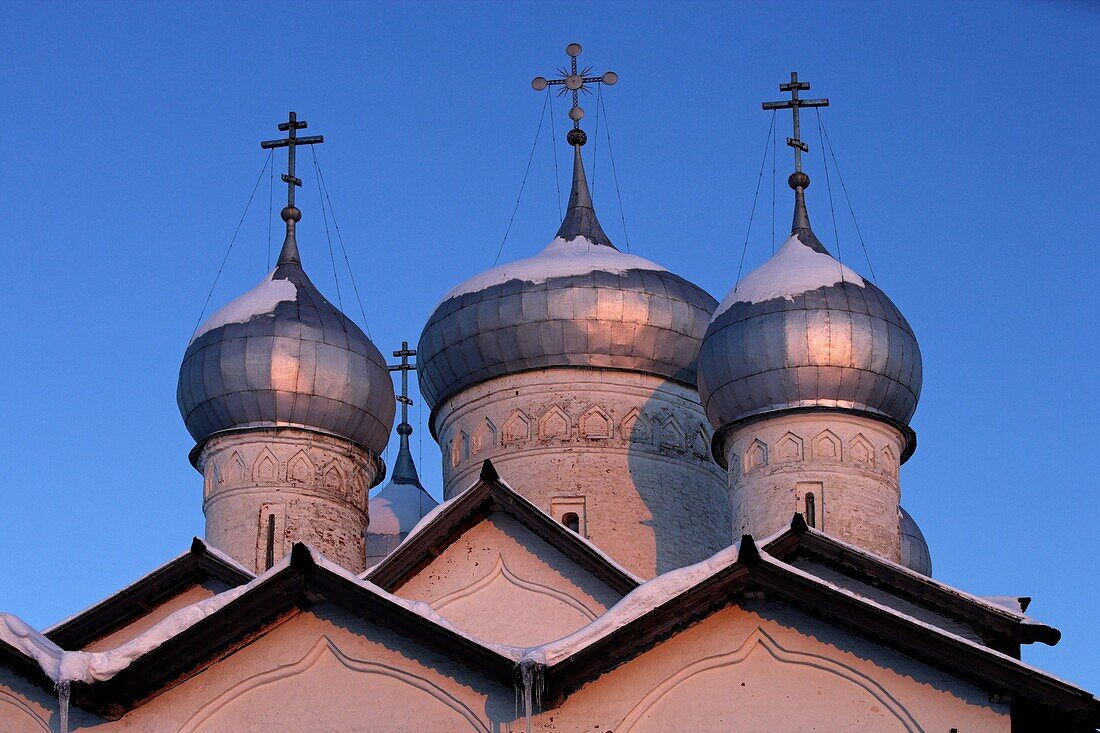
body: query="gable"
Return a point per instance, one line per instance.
(761, 665)
(322, 669)
(497, 565)
(156, 613)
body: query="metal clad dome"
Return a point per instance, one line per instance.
(802, 330)
(282, 355)
(580, 302)
(914, 548)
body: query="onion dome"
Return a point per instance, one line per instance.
(914, 548)
(579, 302)
(403, 502)
(805, 331)
(282, 355)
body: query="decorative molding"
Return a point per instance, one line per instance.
(324, 648)
(500, 571)
(265, 469)
(596, 424)
(826, 446)
(300, 469)
(756, 455)
(517, 428)
(789, 448)
(484, 437)
(555, 424)
(31, 716)
(860, 451)
(635, 428)
(760, 639)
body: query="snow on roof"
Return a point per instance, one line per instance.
(76, 666)
(644, 598)
(793, 270)
(445, 506)
(986, 603)
(129, 588)
(560, 258)
(923, 624)
(258, 301)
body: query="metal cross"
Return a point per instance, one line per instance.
(794, 104)
(292, 141)
(574, 81)
(404, 367)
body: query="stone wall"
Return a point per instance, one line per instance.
(841, 470)
(288, 485)
(623, 455)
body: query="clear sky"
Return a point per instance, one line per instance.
(965, 133)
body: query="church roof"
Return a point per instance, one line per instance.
(200, 563)
(487, 495)
(1002, 626)
(110, 683)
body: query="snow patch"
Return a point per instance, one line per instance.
(641, 600)
(793, 270)
(258, 301)
(561, 258)
(75, 666)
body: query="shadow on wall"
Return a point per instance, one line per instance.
(684, 489)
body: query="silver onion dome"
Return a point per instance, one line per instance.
(914, 548)
(579, 302)
(282, 355)
(804, 331)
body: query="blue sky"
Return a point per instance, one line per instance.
(965, 134)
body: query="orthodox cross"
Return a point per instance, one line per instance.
(794, 104)
(292, 141)
(574, 81)
(404, 367)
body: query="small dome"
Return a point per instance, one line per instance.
(579, 302)
(281, 355)
(803, 330)
(914, 548)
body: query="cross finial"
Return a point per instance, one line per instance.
(404, 367)
(575, 81)
(291, 141)
(795, 104)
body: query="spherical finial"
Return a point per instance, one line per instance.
(404, 429)
(799, 180)
(576, 113)
(576, 137)
(573, 49)
(610, 78)
(539, 83)
(291, 213)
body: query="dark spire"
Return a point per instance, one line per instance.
(580, 219)
(404, 470)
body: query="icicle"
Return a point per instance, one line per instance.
(63, 705)
(530, 673)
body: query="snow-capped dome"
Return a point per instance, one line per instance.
(803, 330)
(579, 302)
(914, 548)
(281, 355)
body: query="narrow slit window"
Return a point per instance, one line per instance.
(811, 510)
(269, 559)
(572, 521)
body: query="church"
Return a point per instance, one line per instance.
(661, 512)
